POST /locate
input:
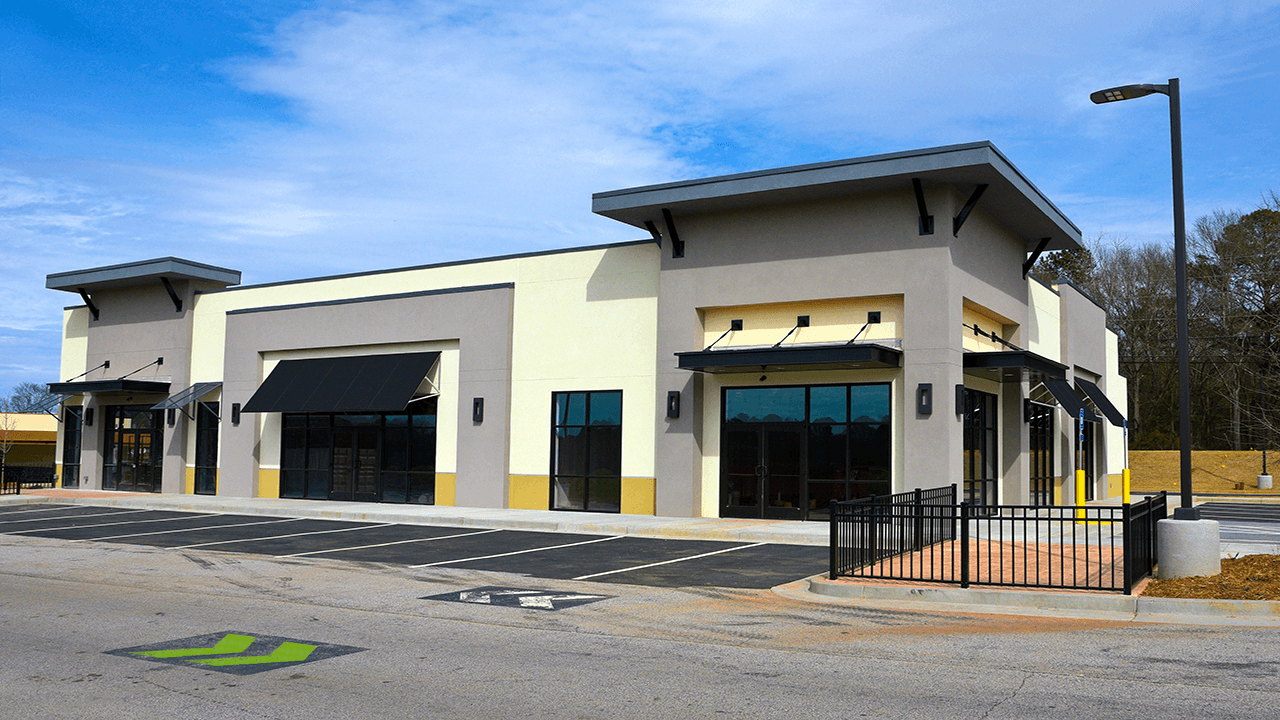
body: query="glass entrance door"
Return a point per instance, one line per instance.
(762, 471)
(134, 449)
(355, 460)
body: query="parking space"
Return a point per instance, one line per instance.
(564, 556)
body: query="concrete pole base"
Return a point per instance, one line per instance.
(1264, 482)
(1189, 548)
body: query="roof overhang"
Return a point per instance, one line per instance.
(1013, 365)
(141, 273)
(84, 387)
(1010, 197)
(806, 357)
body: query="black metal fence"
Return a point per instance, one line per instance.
(14, 477)
(926, 536)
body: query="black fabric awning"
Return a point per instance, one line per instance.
(188, 396)
(363, 383)
(104, 386)
(1009, 365)
(1068, 399)
(1101, 402)
(810, 357)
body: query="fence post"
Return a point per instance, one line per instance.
(964, 544)
(1129, 549)
(919, 523)
(835, 541)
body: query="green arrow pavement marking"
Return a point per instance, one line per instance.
(287, 652)
(228, 645)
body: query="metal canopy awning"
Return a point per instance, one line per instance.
(1009, 365)
(809, 357)
(1101, 401)
(1068, 399)
(46, 405)
(124, 385)
(362, 383)
(180, 401)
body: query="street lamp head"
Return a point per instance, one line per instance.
(1127, 92)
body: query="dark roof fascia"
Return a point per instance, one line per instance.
(137, 273)
(958, 165)
(750, 359)
(1086, 295)
(105, 386)
(374, 298)
(1015, 359)
(1047, 285)
(434, 266)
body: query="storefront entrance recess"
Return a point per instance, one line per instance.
(787, 452)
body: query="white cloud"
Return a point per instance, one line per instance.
(425, 131)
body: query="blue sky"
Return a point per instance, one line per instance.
(288, 139)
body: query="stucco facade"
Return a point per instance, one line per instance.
(826, 269)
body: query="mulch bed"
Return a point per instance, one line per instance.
(1252, 577)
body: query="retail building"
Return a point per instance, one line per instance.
(777, 340)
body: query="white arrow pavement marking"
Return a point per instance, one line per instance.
(668, 562)
(546, 601)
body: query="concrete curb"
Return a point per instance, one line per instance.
(1031, 602)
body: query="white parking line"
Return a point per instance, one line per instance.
(66, 517)
(125, 522)
(668, 562)
(190, 529)
(278, 537)
(517, 552)
(396, 542)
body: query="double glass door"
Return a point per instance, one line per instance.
(763, 469)
(355, 464)
(134, 449)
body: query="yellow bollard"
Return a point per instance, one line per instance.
(1079, 494)
(1125, 479)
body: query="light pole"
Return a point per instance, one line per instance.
(1128, 92)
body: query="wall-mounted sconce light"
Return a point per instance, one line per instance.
(477, 410)
(960, 399)
(172, 416)
(924, 399)
(88, 417)
(235, 413)
(673, 404)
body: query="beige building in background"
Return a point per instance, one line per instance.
(779, 340)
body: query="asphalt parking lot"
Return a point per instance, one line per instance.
(563, 556)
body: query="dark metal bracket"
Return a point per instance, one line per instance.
(801, 321)
(159, 361)
(1035, 255)
(677, 245)
(958, 222)
(168, 287)
(926, 220)
(106, 364)
(993, 337)
(653, 230)
(733, 325)
(84, 295)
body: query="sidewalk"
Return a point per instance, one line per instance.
(920, 597)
